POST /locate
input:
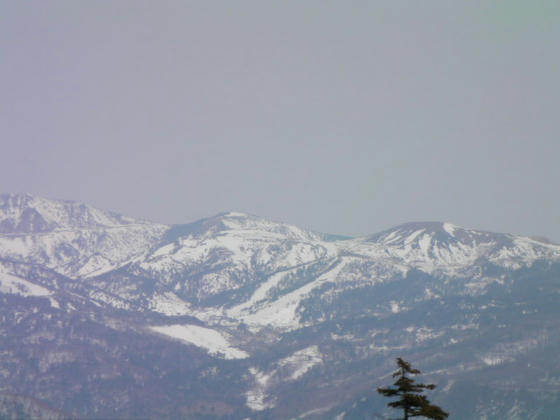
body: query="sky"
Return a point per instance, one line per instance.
(341, 117)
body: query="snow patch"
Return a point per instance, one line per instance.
(256, 397)
(169, 304)
(211, 340)
(424, 243)
(450, 228)
(288, 369)
(413, 236)
(11, 284)
(301, 361)
(14, 285)
(448, 386)
(494, 360)
(54, 303)
(236, 214)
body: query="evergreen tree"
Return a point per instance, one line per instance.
(411, 400)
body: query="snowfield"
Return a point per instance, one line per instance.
(211, 340)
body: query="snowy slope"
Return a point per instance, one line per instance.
(226, 254)
(211, 340)
(72, 238)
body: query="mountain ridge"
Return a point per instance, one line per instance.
(24, 199)
(266, 312)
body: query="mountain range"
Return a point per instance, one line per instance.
(236, 316)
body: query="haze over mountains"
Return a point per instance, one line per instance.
(235, 316)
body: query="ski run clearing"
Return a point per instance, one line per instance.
(211, 340)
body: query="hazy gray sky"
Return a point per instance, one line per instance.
(343, 117)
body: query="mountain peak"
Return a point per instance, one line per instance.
(443, 243)
(443, 232)
(237, 214)
(25, 213)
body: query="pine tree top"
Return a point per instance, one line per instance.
(411, 401)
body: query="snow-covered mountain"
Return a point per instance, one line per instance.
(434, 246)
(268, 309)
(70, 237)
